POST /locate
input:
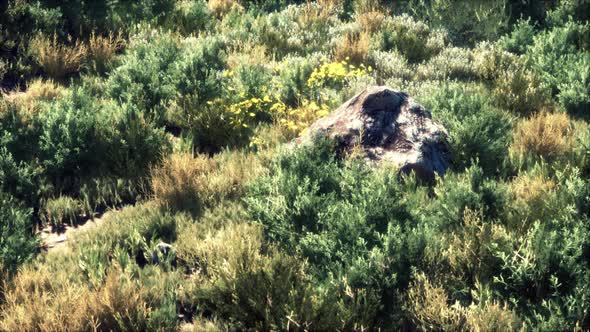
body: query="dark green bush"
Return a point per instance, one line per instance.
(561, 56)
(477, 22)
(346, 220)
(159, 70)
(132, 143)
(145, 77)
(520, 38)
(68, 144)
(83, 139)
(477, 131)
(414, 39)
(17, 241)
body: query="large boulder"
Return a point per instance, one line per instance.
(387, 125)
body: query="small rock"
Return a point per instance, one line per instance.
(163, 250)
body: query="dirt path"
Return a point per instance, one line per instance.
(53, 241)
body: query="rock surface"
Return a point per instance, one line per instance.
(387, 125)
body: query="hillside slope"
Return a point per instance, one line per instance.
(177, 114)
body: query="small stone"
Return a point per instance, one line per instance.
(162, 250)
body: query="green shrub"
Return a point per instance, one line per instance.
(17, 242)
(131, 143)
(160, 70)
(297, 30)
(344, 219)
(567, 10)
(414, 39)
(61, 210)
(582, 149)
(83, 139)
(574, 91)
(467, 191)
(20, 179)
(561, 56)
(477, 22)
(145, 77)
(450, 63)
(390, 65)
(477, 131)
(190, 17)
(520, 38)
(292, 78)
(68, 145)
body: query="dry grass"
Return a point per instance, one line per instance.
(226, 252)
(532, 198)
(56, 59)
(533, 190)
(429, 306)
(371, 21)
(221, 7)
(317, 14)
(492, 316)
(520, 90)
(432, 309)
(248, 54)
(190, 183)
(545, 135)
(41, 299)
(366, 6)
(37, 90)
(353, 46)
(468, 249)
(102, 50)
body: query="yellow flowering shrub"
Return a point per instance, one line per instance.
(295, 121)
(292, 120)
(335, 73)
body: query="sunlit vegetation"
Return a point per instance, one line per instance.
(178, 113)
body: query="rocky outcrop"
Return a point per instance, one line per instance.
(387, 125)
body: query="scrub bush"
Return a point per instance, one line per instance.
(321, 209)
(560, 56)
(17, 242)
(61, 210)
(74, 147)
(477, 131)
(414, 39)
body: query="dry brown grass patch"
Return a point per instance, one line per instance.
(313, 14)
(221, 7)
(102, 49)
(58, 60)
(184, 182)
(545, 135)
(354, 46)
(371, 21)
(432, 309)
